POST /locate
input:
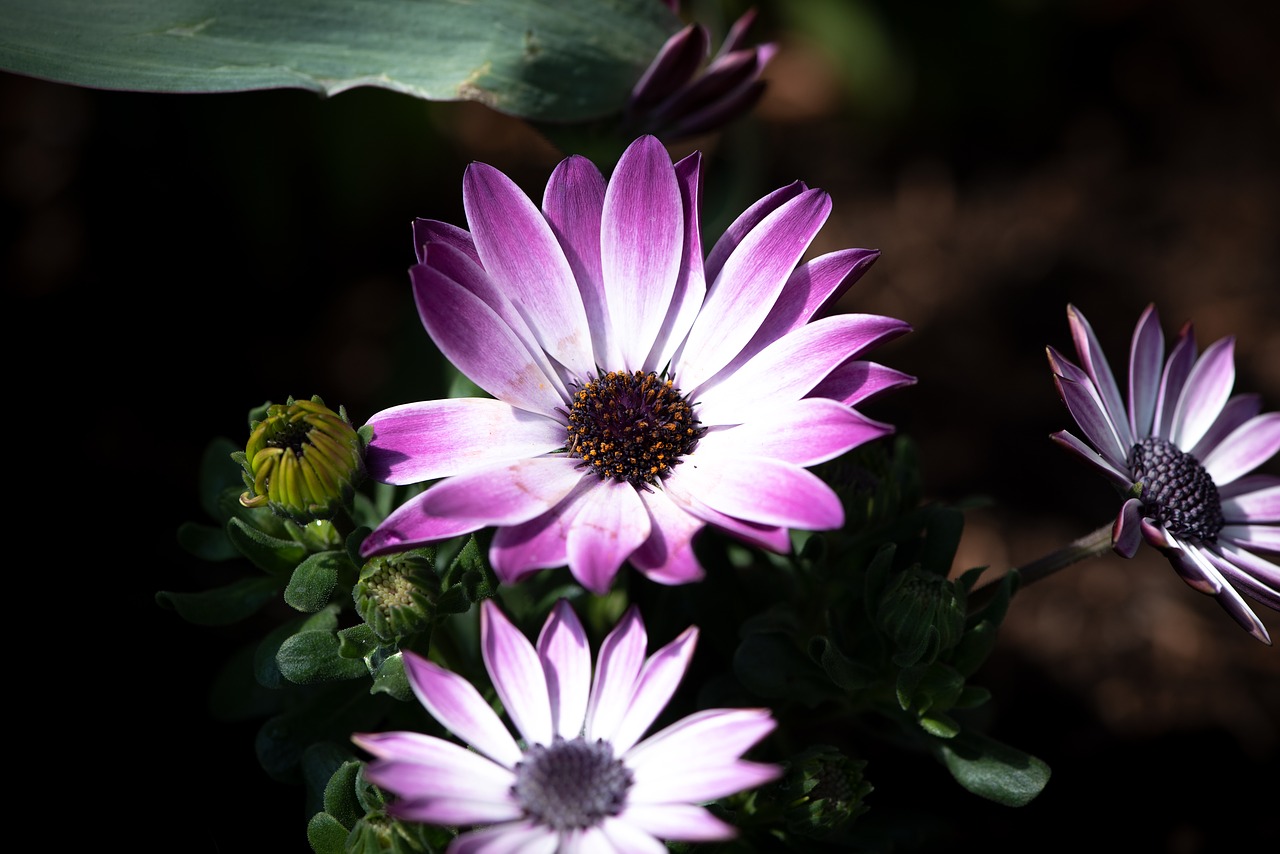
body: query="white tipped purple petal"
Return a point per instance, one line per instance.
(522, 837)
(1234, 604)
(1088, 411)
(1120, 478)
(409, 526)
(573, 203)
(517, 675)
(626, 838)
(702, 783)
(1250, 573)
(441, 766)
(761, 490)
(811, 286)
(1176, 369)
(641, 239)
(790, 367)
(540, 543)
(458, 706)
(1146, 361)
(667, 556)
(617, 667)
(705, 738)
(806, 433)
(566, 661)
(479, 343)
(1095, 364)
(414, 442)
(655, 686)
(1249, 483)
(507, 494)
(433, 231)
(1260, 505)
(771, 537)
(608, 527)
(740, 297)
(522, 255)
(691, 283)
(856, 381)
(1207, 390)
(1194, 568)
(1264, 537)
(1238, 410)
(1126, 533)
(1249, 446)
(683, 822)
(747, 221)
(455, 810)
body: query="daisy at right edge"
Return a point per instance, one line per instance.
(1184, 453)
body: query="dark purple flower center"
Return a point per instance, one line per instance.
(571, 784)
(631, 426)
(1176, 490)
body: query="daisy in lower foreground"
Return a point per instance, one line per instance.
(1182, 452)
(640, 390)
(580, 778)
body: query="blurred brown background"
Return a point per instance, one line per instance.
(171, 261)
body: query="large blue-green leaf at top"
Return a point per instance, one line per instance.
(555, 60)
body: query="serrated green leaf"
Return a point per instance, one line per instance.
(553, 60)
(268, 553)
(392, 679)
(993, 770)
(313, 581)
(326, 835)
(310, 657)
(206, 542)
(224, 605)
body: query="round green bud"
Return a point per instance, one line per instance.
(395, 594)
(923, 613)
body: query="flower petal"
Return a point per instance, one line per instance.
(1146, 360)
(1249, 446)
(1094, 362)
(807, 432)
(610, 524)
(641, 238)
(617, 667)
(1126, 533)
(414, 442)
(746, 223)
(409, 526)
(1120, 478)
(1264, 537)
(458, 706)
(681, 822)
(628, 838)
(691, 283)
(1253, 574)
(505, 495)
(522, 837)
(658, 681)
(1207, 390)
(433, 231)
(413, 765)
(517, 674)
(521, 253)
(566, 661)
(667, 556)
(790, 367)
(696, 758)
(1238, 410)
(1089, 413)
(761, 490)
(541, 543)
(455, 811)
(1176, 369)
(1261, 505)
(771, 537)
(855, 381)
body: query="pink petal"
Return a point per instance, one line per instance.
(746, 223)
(771, 537)
(761, 490)
(677, 61)
(516, 673)
(658, 681)
(541, 543)
(691, 283)
(855, 381)
(566, 660)
(433, 231)
(702, 783)
(455, 811)
(617, 667)
(1126, 533)
(696, 758)
(1120, 478)
(1094, 362)
(1249, 446)
(1146, 360)
(522, 837)
(1176, 369)
(1207, 390)
(1239, 409)
(628, 838)
(641, 238)
(610, 524)
(523, 256)
(681, 822)
(1261, 505)
(805, 433)
(414, 765)
(458, 706)
(667, 556)
(505, 495)
(1089, 413)
(409, 526)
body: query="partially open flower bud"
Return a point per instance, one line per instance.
(924, 614)
(394, 594)
(303, 461)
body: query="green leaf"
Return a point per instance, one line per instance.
(768, 664)
(993, 770)
(326, 834)
(266, 669)
(392, 679)
(553, 60)
(224, 605)
(340, 794)
(313, 581)
(840, 669)
(268, 553)
(310, 657)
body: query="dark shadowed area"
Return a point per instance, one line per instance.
(169, 262)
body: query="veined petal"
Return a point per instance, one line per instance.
(617, 667)
(573, 204)
(691, 283)
(458, 706)
(433, 231)
(1249, 446)
(1176, 369)
(1088, 411)
(1261, 505)
(609, 526)
(790, 367)
(667, 556)
(739, 298)
(566, 660)
(1207, 390)
(684, 822)
(520, 252)
(1230, 599)
(414, 442)
(771, 537)
(541, 543)
(409, 526)
(1094, 362)
(1238, 410)
(641, 238)
(761, 490)
(1252, 573)
(506, 494)
(523, 837)
(1146, 360)
(474, 338)
(517, 674)
(1248, 483)
(655, 686)
(855, 381)
(807, 432)
(1264, 537)
(745, 223)
(1189, 563)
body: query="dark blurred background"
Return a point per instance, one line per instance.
(169, 262)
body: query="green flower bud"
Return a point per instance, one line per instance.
(396, 593)
(822, 790)
(302, 460)
(923, 613)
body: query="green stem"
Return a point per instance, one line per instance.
(1094, 544)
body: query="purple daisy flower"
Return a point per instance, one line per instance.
(581, 778)
(641, 390)
(1182, 451)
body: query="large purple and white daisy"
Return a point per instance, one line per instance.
(1183, 452)
(641, 390)
(580, 778)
